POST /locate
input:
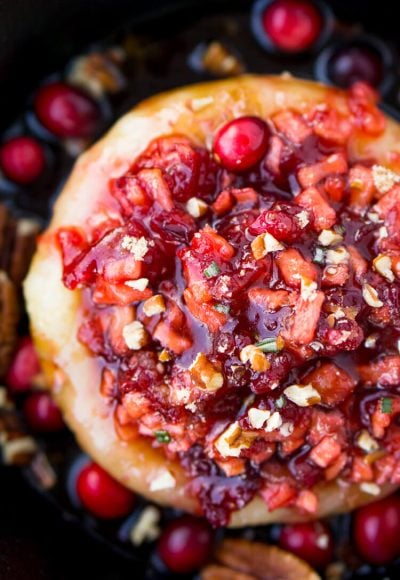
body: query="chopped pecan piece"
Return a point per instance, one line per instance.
(217, 60)
(9, 316)
(244, 560)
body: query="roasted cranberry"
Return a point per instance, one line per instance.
(313, 542)
(102, 495)
(42, 414)
(24, 366)
(377, 530)
(185, 544)
(174, 226)
(355, 63)
(292, 25)
(284, 222)
(22, 159)
(66, 111)
(241, 143)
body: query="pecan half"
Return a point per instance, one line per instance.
(16, 447)
(243, 560)
(17, 245)
(9, 316)
(25, 234)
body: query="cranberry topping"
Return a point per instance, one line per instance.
(313, 542)
(241, 143)
(66, 111)
(186, 544)
(246, 321)
(377, 529)
(292, 25)
(356, 63)
(24, 366)
(102, 495)
(42, 414)
(22, 159)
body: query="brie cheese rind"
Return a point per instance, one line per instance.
(72, 372)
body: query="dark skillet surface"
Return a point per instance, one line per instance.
(35, 39)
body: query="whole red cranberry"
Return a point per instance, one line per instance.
(24, 366)
(66, 111)
(311, 541)
(22, 159)
(186, 544)
(101, 494)
(292, 25)
(376, 530)
(356, 63)
(42, 414)
(241, 143)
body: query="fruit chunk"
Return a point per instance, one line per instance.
(333, 383)
(312, 200)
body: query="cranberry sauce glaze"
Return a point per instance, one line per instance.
(244, 304)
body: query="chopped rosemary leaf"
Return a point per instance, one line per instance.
(224, 308)
(386, 405)
(212, 270)
(319, 255)
(271, 344)
(339, 229)
(162, 436)
(280, 402)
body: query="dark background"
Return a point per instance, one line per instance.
(37, 37)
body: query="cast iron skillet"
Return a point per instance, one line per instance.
(38, 38)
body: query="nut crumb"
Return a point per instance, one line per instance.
(233, 440)
(370, 296)
(139, 284)
(154, 305)
(366, 442)
(370, 488)
(302, 395)
(146, 528)
(286, 429)
(196, 207)
(337, 256)
(258, 417)
(329, 237)
(135, 335)
(264, 244)
(164, 355)
(383, 265)
(163, 480)
(258, 360)
(205, 375)
(136, 246)
(274, 422)
(217, 60)
(384, 178)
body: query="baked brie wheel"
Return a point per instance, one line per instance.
(216, 300)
